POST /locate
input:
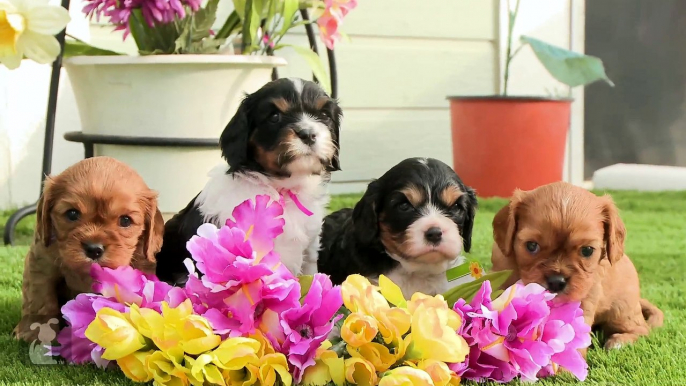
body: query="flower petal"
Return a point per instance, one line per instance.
(49, 20)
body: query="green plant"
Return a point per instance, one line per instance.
(568, 67)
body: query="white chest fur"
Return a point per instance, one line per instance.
(414, 278)
(298, 245)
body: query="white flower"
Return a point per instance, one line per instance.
(27, 29)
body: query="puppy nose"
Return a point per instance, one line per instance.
(556, 283)
(307, 136)
(93, 251)
(433, 235)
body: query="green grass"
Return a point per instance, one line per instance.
(656, 242)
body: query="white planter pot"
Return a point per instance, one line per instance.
(172, 96)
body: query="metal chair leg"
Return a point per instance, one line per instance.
(14, 219)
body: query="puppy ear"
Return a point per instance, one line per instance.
(505, 224)
(615, 231)
(43, 219)
(468, 225)
(154, 230)
(336, 115)
(365, 218)
(234, 139)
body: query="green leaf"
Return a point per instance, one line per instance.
(231, 25)
(203, 20)
(467, 291)
(305, 284)
(160, 39)
(290, 7)
(568, 67)
(251, 22)
(315, 63)
(239, 7)
(79, 47)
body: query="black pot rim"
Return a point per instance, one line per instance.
(508, 98)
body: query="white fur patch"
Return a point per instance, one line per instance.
(298, 245)
(432, 217)
(297, 84)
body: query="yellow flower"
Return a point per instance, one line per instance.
(167, 367)
(439, 372)
(236, 353)
(393, 324)
(265, 345)
(359, 329)
(328, 367)
(133, 366)
(406, 376)
(475, 270)
(270, 366)
(203, 371)
(434, 330)
(392, 292)
(27, 28)
(245, 377)
(358, 371)
(114, 332)
(359, 295)
(376, 354)
(176, 327)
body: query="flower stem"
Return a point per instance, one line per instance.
(512, 16)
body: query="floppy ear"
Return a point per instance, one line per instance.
(43, 219)
(336, 116)
(234, 138)
(154, 230)
(615, 231)
(505, 224)
(468, 225)
(365, 218)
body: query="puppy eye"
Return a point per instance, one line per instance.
(404, 207)
(456, 206)
(274, 118)
(125, 221)
(532, 247)
(72, 214)
(586, 251)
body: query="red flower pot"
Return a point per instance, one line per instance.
(504, 143)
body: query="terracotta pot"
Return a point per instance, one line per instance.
(504, 143)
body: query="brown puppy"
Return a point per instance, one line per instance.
(99, 210)
(571, 242)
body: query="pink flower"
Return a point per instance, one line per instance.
(260, 221)
(306, 327)
(331, 19)
(154, 11)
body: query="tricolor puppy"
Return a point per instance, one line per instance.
(571, 242)
(282, 142)
(411, 225)
(97, 211)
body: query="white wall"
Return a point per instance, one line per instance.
(404, 58)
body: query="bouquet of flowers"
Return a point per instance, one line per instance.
(248, 321)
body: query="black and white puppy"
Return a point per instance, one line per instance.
(411, 225)
(284, 142)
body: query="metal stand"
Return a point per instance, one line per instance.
(90, 140)
(14, 219)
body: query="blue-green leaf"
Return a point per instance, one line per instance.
(570, 68)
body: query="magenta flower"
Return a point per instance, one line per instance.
(261, 221)
(307, 326)
(154, 11)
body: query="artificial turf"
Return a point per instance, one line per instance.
(656, 242)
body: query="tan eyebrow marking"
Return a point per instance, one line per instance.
(414, 195)
(450, 194)
(281, 104)
(320, 103)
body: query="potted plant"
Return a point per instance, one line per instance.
(187, 80)
(503, 142)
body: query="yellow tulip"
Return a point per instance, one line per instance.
(167, 368)
(133, 366)
(434, 331)
(328, 367)
(146, 320)
(439, 372)
(247, 376)
(406, 376)
(376, 354)
(236, 353)
(113, 331)
(359, 329)
(359, 371)
(359, 295)
(265, 345)
(392, 292)
(393, 323)
(203, 371)
(197, 336)
(270, 366)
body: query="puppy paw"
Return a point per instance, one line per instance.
(617, 341)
